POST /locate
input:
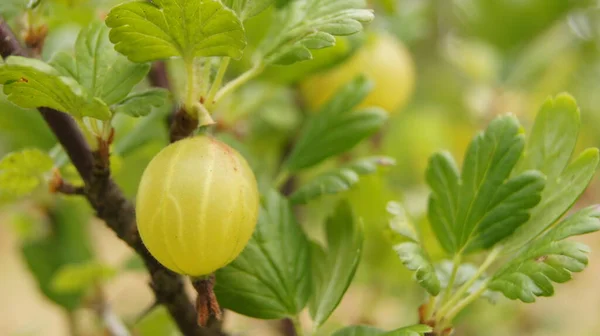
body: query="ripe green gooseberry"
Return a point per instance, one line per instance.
(197, 205)
(384, 60)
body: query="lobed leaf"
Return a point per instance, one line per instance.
(102, 71)
(31, 83)
(340, 179)
(263, 282)
(337, 127)
(549, 258)
(140, 104)
(246, 9)
(302, 25)
(482, 206)
(334, 269)
(161, 29)
(22, 172)
(84, 85)
(413, 257)
(549, 150)
(415, 330)
(411, 253)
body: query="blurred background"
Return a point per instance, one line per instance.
(457, 65)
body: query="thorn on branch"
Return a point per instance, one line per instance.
(207, 305)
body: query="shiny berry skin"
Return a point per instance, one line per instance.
(197, 205)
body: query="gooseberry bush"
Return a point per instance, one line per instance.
(222, 206)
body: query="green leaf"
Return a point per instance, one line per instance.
(415, 330)
(22, 172)
(334, 269)
(414, 258)
(263, 282)
(323, 60)
(31, 83)
(73, 278)
(10, 8)
(147, 31)
(412, 254)
(140, 104)
(338, 127)
(483, 206)
(549, 258)
(340, 179)
(400, 222)
(246, 9)
(157, 322)
(105, 73)
(311, 24)
(67, 242)
(549, 149)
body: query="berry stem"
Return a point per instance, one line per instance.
(206, 301)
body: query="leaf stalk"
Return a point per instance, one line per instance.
(236, 83)
(448, 306)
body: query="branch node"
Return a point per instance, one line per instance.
(58, 185)
(183, 125)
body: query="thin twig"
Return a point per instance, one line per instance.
(111, 205)
(113, 325)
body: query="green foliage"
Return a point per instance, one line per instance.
(310, 24)
(502, 197)
(104, 73)
(337, 127)
(549, 150)
(9, 8)
(80, 277)
(483, 205)
(31, 83)
(340, 179)
(263, 282)
(247, 8)
(323, 59)
(84, 86)
(67, 242)
(140, 104)
(549, 258)
(411, 253)
(22, 172)
(416, 330)
(334, 268)
(147, 31)
(14, 136)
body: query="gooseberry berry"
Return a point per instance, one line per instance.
(384, 60)
(197, 205)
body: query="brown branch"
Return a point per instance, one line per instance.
(111, 205)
